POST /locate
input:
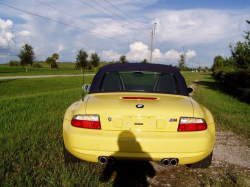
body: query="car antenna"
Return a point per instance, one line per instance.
(83, 84)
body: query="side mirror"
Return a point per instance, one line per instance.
(86, 87)
(190, 90)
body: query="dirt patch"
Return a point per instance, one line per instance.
(231, 148)
(194, 85)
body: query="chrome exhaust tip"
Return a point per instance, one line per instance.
(165, 162)
(111, 161)
(173, 162)
(102, 160)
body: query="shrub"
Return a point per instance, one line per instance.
(14, 63)
(37, 65)
(89, 66)
(54, 65)
(77, 67)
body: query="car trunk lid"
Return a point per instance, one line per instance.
(139, 111)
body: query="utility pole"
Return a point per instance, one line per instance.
(193, 65)
(152, 34)
(122, 39)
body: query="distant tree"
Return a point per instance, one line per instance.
(95, 60)
(123, 59)
(199, 69)
(37, 65)
(241, 54)
(177, 67)
(51, 61)
(26, 55)
(13, 63)
(55, 56)
(218, 63)
(144, 61)
(247, 37)
(89, 66)
(181, 62)
(81, 59)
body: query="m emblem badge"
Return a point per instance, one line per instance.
(139, 106)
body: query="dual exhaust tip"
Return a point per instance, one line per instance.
(169, 161)
(106, 160)
(164, 162)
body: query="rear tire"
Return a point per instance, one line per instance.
(68, 157)
(205, 163)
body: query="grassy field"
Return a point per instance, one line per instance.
(64, 68)
(6, 70)
(228, 111)
(31, 129)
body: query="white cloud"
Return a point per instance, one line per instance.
(24, 33)
(138, 51)
(198, 26)
(172, 55)
(6, 35)
(60, 48)
(110, 55)
(190, 54)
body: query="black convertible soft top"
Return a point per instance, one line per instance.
(95, 86)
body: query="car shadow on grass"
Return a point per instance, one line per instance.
(128, 173)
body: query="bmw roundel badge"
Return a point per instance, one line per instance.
(139, 106)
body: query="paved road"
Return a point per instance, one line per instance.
(42, 76)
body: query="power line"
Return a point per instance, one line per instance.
(109, 15)
(76, 17)
(116, 14)
(162, 44)
(126, 14)
(62, 23)
(135, 20)
(165, 41)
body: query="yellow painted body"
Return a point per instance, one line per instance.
(139, 134)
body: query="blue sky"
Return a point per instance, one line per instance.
(203, 28)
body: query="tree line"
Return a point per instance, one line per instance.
(27, 57)
(234, 71)
(238, 61)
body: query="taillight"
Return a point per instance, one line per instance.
(192, 124)
(86, 121)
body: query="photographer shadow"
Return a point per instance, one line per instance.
(129, 173)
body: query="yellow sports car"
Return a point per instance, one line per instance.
(139, 112)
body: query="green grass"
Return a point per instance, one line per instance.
(31, 134)
(228, 111)
(190, 77)
(31, 139)
(24, 87)
(6, 70)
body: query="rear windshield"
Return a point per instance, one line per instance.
(142, 81)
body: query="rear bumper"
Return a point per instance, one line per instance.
(188, 147)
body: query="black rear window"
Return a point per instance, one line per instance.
(142, 81)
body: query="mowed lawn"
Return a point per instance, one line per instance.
(6, 70)
(31, 119)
